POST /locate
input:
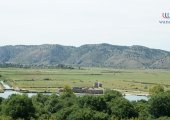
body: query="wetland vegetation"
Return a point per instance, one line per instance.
(50, 79)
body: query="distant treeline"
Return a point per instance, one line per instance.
(58, 66)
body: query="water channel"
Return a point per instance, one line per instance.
(7, 93)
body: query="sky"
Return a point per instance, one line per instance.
(78, 22)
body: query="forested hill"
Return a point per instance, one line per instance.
(97, 55)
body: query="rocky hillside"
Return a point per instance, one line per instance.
(97, 55)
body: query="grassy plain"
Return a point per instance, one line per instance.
(50, 79)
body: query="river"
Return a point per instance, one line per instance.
(7, 93)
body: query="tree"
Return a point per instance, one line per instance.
(100, 116)
(81, 114)
(67, 92)
(65, 112)
(159, 105)
(156, 89)
(163, 118)
(122, 108)
(142, 109)
(4, 117)
(39, 102)
(111, 94)
(40, 98)
(19, 106)
(53, 104)
(97, 103)
(1, 99)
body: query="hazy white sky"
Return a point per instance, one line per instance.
(77, 22)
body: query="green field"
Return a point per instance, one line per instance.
(50, 79)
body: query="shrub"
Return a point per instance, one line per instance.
(156, 89)
(46, 78)
(19, 106)
(122, 108)
(159, 105)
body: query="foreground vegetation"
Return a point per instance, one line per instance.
(111, 106)
(50, 79)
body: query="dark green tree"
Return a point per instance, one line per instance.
(122, 108)
(159, 105)
(39, 102)
(65, 112)
(87, 114)
(53, 104)
(1, 99)
(111, 94)
(100, 116)
(97, 103)
(19, 106)
(81, 114)
(142, 108)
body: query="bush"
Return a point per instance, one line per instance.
(65, 112)
(122, 108)
(159, 105)
(163, 118)
(142, 109)
(86, 114)
(46, 78)
(97, 103)
(156, 89)
(111, 94)
(19, 106)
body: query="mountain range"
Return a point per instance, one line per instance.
(89, 55)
